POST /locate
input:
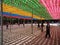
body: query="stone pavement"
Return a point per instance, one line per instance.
(23, 36)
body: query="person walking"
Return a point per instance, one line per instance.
(23, 24)
(42, 26)
(7, 25)
(38, 25)
(47, 30)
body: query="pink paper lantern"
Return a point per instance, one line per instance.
(53, 7)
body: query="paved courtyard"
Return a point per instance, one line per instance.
(19, 35)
